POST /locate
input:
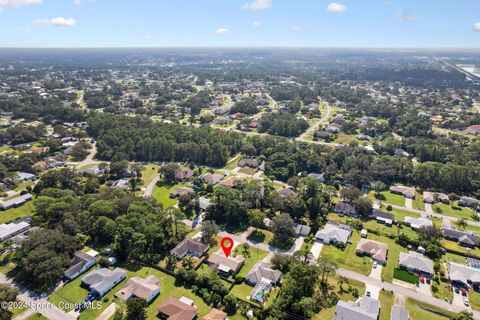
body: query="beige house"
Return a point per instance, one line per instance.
(146, 289)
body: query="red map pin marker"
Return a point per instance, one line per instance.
(227, 245)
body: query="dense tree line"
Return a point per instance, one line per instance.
(282, 124)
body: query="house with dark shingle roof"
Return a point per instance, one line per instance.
(80, 263)
(189, 247)
(383, 217)
(182, 175)
(465, 238)
(345, 208)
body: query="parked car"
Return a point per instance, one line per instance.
(368, 294)
(466, 302)
(374, 264)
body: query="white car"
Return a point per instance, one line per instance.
(374, 264)
(466, 302)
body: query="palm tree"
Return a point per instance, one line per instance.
(341, 281)
(187, 262)
(462, 223)
(326, 268)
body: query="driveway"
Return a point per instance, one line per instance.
(428, 208)
(408, 203)
(316, 249)
(149, 189)
(376, 273)
(457, 299)
(424, 288)
(374, 291)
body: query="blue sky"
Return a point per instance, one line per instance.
(240, 23)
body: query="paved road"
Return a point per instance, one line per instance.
(317, 124)
(89, 159)
(404, 292)
(40, 303)
(149, 189)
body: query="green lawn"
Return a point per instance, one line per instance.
(5, 267)
(452, 245)
(24, 185)
(347, 258)
(474, 299)
(260, 236)
(388, 197)
(387, 300)
(162, 195)
(248, 171)
(414, 307)
(418, 202)
(346, 295)
(345, 138)
(405, 276)
(242, 291)
(148, 173)
(454, 210)
(252, 255)
(11, 214)
(401, 214)
(36, 316)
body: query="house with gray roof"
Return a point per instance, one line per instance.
(416, 263)
(301, 230)
(333, 233)
(9, 230)
(377, 250)
(345, 208)
(407, 192)
(465, 238)
(462, 275)
(15, 202)
(417, 223)
(365, 308)
(103, 280)
(383, 217)
(468, 201)
(262, 271)
(80, 263)
(189, 247)
(212, 178)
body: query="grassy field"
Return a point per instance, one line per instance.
(148, 173)
(451, 245)
(248, 171)
(15, 213)
(24, 185)
(418, 202)
(345, 138)
(414, 307)
(388, 197)
(5, 267)
(405, 276)
(386, 303)
(162, 195)
(347, 258)
(474, 298)
(454, 210)
(36, 316)
(401, 214)
(252, 255)
(346, 295)
(260, 236)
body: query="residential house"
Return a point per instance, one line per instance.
(468, 201)
(383, 217)
(80, 263)
(415, 262)
(23, 177)
(182, 175)
(333, 128)
(287, 192)
(232, 181)
(15, 202)
(249, 162)
(407, 192)
(226, 265)
(146, 289)
(333, 233)
(417, 223)
(365, 308)
(463, 276)
(215, 314)
(301, 230)
(204, 203)
(178, 309)
(465, 238)
(212, 178)
(320, 177)
(377, 250)
(345, 208)
(189, 247)
(9, 230)
(179, 192)
(103, 280)
(429, 197)
(262, 270)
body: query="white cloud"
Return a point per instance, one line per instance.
(148, 37)
(222, 32)
(406, 17)
(336, 7)
(58, 21)
(80, 2)
(476, 27)
(256, 24)
(296, 29)
(258, 5)
(17, 3)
